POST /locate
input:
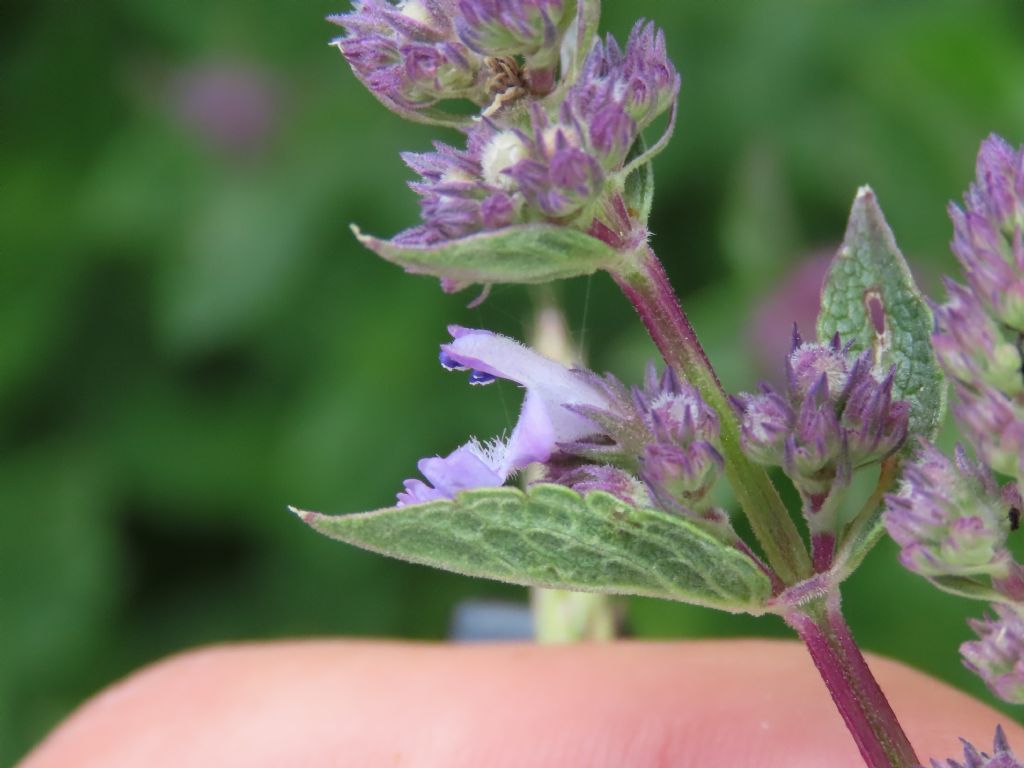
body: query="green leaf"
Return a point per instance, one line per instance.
(528, 253)
(870, 298)
(551, 536)
(639, 188)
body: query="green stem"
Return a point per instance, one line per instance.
(560, 616)
(646, 285)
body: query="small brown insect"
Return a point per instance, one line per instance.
(1014, 518)
(507, 83)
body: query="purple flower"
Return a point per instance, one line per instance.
(464, 191)
(549, 414)
(549, 417)
(997, 656)
(833, 416)
(971, 347)
(663, 433)
(1001, 756)
(529, 28)
(641, 81)
(469, 466)
(558, 177)
(873, 425)
(408, 55)
(234, 108)
(988, 237)
(586, 478)
(994, 424)
(503, 177)
(951, 518)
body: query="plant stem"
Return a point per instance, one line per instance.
(647, 286)
(863, 706)
(560, 616)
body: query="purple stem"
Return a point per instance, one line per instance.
(646, 285)
(823, 547)
(863, 706)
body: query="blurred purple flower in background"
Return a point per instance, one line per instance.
(794, 301)
(233, 108)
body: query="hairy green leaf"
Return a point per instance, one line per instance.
(528, 253)
(871, 299)
(551, 536)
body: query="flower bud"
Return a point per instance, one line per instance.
(1001, 756)
(997, 656)
(950, 519)
(988, 237)
(600, 477)
(994, 424)
(808, 362)
(641, 80)
(455, 198)
(559, 178)
(833, 417)
(766, 422)
(407, 55)
(814, 448)
(874, 425)
(532, 29)
(681, 474)
(971, 347)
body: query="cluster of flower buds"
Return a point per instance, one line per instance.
(541, 151)
(621, 92)
(988, 234)
(1001, 756)
(951, 518)
(997, 656)
(835, 415)
(415, 54)
(652, 444)
(978, 329)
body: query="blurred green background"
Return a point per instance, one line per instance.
(190, 338)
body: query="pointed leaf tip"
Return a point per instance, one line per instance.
(307, 517)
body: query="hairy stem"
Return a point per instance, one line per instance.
(863, 706)
(646, 285)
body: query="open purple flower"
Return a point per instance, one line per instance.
(546, 421)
